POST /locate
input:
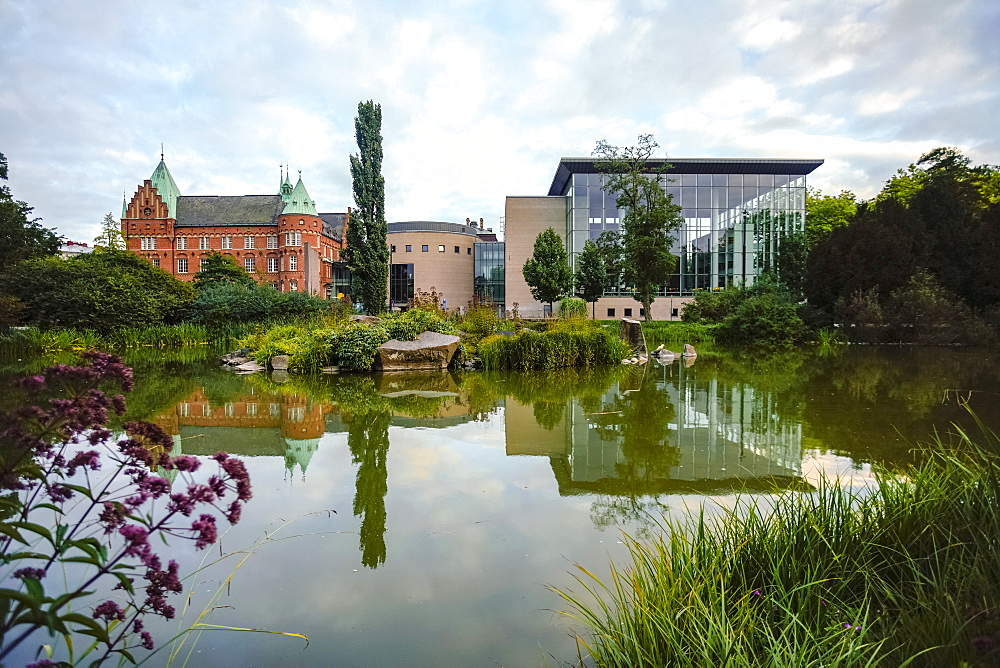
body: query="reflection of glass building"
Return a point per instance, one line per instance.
(736, 213)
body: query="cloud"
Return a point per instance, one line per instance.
(479, 100)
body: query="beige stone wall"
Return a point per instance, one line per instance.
(526, 218)
(448, 272)
(663, 308)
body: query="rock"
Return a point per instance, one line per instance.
(430, 350)
(631, 333)
(366, 319)
(249, 366)
(666, 356)
(330, 369)
(689, 351)
(279, 376)
(279, 362)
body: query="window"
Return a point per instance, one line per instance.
(227, 242)
(642, 313)
(203, 243)
(440, 249)
(293, 286)
(628, 313)
(468, 251)
(251, 409)
(185, 409)
(392, 248)
(248, 242)
(301, 221)
(400, 283)
(272, 265)
(249, 264)
(148, 243)
(206, 410)
(293, 263)
(611, 313)
(182, 265)
(409, 248)
(274, 410)
(201, 264)
(182, 243)
(156, 262)
(673, 313)
(293, 238)
(424, 249)
(230, 409)
(456, 249)
(272, 241)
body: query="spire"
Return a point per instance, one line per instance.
(285, 188)
(298, 201)
(124, 205)
(166, 187)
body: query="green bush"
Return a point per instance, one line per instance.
(480, 321)
(222, 303)
(572, 307)
(356, 345)
(713, 306)
(765, 319)
(571, 344)
(101, 291)
(407, 326)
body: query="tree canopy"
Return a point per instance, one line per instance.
(219, 268)
(547, 271)
(650, 216)
(367, 251)
(21, 238)
(825, 213)
(111, 234)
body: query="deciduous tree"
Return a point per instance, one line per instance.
(591, 274)
(111, 234)
(547, 271)
(650, 216)
(21, 238)
(219, 268)
(367, 251)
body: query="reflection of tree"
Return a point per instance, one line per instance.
(367, 415)
(638, 419)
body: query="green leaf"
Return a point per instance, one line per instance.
(34, 528)
(82, 560)
(35, 588)
(12, 533)
(49, 506)
(84, 620)
(20, 597)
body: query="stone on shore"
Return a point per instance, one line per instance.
(249, 367)
(689, 351)
(366, 319)
(280, 362)
(430, 350)
(631, 333)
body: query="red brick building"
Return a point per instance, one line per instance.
(279, 239)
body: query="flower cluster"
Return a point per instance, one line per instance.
(65, 409)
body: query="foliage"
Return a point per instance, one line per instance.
(220, 303)
(712, 306)
(591, 273)
(650, 217)
(939, 215)
(427, 300)
(790, 263)
(666, 331)
(219, 268)
(367, 251)
(57, 340)
(11, 311)
(357, 344)
(924, 312)
(102, 291)
(766, 319)
(111, 236)
(60, 518)
(572, 307)
(825, 213)
(21, 238)
(480, 320)
(407, 326)
(547, 271)
(902, 574)
(570, 344)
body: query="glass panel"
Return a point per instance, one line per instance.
(689, 179)
(688, 196)
(750, 180)
(766, 180)
(735, 179)
(704, 179)
(781, 179)
(720, 180)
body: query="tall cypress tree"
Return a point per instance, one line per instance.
(367, 250)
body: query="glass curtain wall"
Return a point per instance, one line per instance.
(489, 272)
(400, 284)
(733, 224)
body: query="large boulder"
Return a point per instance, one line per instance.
(366, 319)
(430, 350)
(280, 362)
(631, 333)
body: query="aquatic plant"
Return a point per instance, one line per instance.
(68, 532)
(903, 574)
(563, 345)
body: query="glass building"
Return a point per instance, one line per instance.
(488, 281)
(736, 213)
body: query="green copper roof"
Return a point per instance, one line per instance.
(166, 187)
(124, 205)
(285, 190)
(299, 202)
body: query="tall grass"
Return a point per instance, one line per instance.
(677, 333)
(564, 345)
(152, 336)
(904, 574)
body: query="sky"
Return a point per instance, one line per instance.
(480, 99)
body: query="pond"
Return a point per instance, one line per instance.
(417, 519)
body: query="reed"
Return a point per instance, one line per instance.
(907, 573)
(563, 345)
(677, 333)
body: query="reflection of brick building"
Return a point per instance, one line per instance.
(282, 425)
(279, 239)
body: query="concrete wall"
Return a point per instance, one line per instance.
(448, 272)
(526, 218)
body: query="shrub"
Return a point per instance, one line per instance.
(480, 321)
(222, 303)
(765, 319)
(571, 344)
(102, 291)
(356, 345)
(572, 307)
(712, 307)
(407, 326)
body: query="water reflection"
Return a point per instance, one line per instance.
(627, 436)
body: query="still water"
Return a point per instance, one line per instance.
(417, 519)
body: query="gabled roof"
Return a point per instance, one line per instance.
(205, 211)
(299, 201)
(166, 187)
(333, 224)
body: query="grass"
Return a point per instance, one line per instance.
(49, 341)
(565, 344)
(672, 332)
(904, 574)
